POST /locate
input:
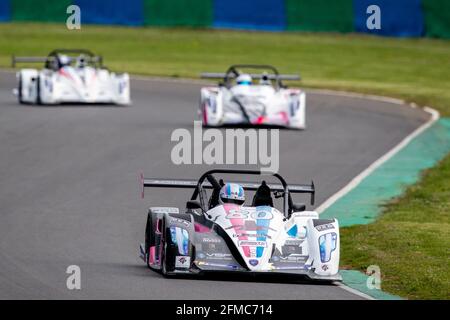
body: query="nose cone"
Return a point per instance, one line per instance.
(253, 231)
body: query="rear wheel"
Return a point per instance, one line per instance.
(19, 94)
(150, 235)
(38, 90)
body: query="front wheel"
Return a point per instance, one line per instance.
(19, 94)
(150, 240)
(163, 260)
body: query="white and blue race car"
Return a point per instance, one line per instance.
(70, 76)
(257, 238)
(240, 100)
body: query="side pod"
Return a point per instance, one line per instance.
(324, 246)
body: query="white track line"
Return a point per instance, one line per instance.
(354, 291)
(364, 174)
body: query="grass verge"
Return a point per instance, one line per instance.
(410, 240)
(411, 69)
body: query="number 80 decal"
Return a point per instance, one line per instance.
(237, 214)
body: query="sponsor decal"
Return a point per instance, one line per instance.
(249, 243)
(325, 267)
(237, 214)
(182, 262)
(296, 259)
(253, 262)
(218, 255)
(211, 240)
(323, 227)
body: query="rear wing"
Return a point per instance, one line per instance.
(51, 59)
(16, 60)
(192, 184)
(218, 75)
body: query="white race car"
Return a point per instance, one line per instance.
(214, 235)
(239, 101)
(70, 76)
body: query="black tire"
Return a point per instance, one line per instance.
(150, 234)
(163, 260)
(166, 252)
(20, 89)
(38, 90)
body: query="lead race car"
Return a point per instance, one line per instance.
(219, 233)
(237, 100)
(70, 76)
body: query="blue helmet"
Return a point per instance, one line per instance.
(244, 79)
(232, 193)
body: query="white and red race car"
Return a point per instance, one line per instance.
(70, 76)
(239, 101)
(254, 238)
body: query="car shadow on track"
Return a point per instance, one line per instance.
(239, 277)
(252, 126)
(74, 105)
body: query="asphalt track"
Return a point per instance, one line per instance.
(69, 191)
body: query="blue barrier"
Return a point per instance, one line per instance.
(250, 14)
(118, 12)
(5, 10)
(401, 18)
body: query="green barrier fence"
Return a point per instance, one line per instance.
(437, 18)
(320, 15)
(195, 13)
(40, 11)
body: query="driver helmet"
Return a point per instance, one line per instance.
(244, 79)
(64, 60)
(232, 193)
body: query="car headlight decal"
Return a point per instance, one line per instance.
(180, 238)
(327, 244)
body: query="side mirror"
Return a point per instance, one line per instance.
(296, 207)
(193, 204)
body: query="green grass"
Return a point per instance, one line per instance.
(410, 241)
(412, 69)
